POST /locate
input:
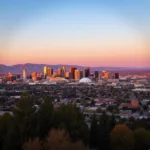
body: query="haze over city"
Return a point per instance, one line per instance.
(88, 33)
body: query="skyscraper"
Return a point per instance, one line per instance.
(72, 71)
(67, 75)
(96, 74)
(24, 74)
(116, 75)
(60, 72)
(63, 71)
(34, 76)
(49, 72)
(45, 70)
(77, 74)
(81, 74)
(87, 72)
(105, 74)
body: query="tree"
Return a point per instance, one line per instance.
(25, 118)
(70, 118)
(94, 137)
(142, 139)
(56, 140)
(45, 117)
(122, 138)
(104, 128)
(9, 137)
(5, 122)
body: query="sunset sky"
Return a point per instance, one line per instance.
(75, 32)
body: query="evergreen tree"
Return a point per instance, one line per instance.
(94, 137)
(45, 116)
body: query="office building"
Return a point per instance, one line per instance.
(8, 77)
(13, 78)
(59, 72)
(81, 74)
(49, 72)
(45, 71)
(77, 74)
(96, 74)
(63, 71)
(116, 75)
(18, 76)
(87, 72)
(24, 74)
(72, 71)
(105, 74)
(34, 76)
(29, 77)
(67, 75)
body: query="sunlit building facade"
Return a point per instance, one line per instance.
(45, 71)
(72, 71)
(63, 71)
(24, 74)
(34, 76)
(49, 72)
(67, 75)
(60, 72)
(105, 75)
(77, 74)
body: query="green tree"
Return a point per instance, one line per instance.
(8, 133)
(45, 116)
(70, 118)
(94, 137)
(122, 138)
(104, 128)
(25, 118)
(142, 139)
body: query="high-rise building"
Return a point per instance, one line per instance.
(24, 74)
(63, 71)
(96, 74)
(77, 74)
(81, 74)
(72, 71)
(45, 70)
(67, 75)
(34, 76)
(116, 75)
(54, 74)
(59, 72)
(13, 78)
(8, 77)
(87, 72)
(49, 72)
(29, 77)
(105, 74)
(18, 76)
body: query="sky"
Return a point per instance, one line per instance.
(75, 32)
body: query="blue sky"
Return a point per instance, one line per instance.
(57, 26)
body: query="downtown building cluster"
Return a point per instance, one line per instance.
(71, 74)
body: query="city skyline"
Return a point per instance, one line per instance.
(86, 33)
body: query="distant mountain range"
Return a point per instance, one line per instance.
(39, 68)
